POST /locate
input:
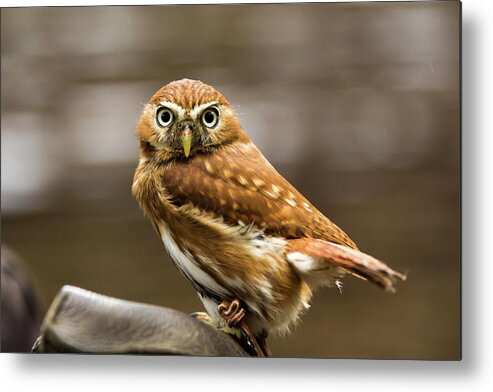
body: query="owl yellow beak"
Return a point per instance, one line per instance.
(186, 138)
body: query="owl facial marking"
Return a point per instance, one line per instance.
(183, 129)
(186, 118)
(177, 130)
(196, 112)
(179, 111)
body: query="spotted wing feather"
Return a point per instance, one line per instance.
(238, 184)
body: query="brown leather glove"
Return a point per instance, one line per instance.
(80, 321)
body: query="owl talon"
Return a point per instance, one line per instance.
(231, 312)
(202, 316)
(235, 320)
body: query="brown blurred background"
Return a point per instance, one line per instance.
(356, 104)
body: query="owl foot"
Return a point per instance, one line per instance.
(233, 313)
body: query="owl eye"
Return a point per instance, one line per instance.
(210, 118)
(164, 117)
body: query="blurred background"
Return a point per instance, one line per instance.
(355, 104)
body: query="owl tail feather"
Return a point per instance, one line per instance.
(323, 263)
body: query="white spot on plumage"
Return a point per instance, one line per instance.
(208, 167)
(290, 202)
(302, 262)
(316, 272)
(271, 194)
(242, 180)
(307, 207)
(258, 182)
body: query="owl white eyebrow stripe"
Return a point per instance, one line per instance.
(173, 106)
(197, 109)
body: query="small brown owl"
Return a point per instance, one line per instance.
(251, 245)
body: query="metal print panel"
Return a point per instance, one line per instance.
(269, 180)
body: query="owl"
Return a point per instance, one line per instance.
(252, 246)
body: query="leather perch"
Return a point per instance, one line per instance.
(80, 321)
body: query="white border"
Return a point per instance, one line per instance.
(474, 373)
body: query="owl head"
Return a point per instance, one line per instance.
(185, 118)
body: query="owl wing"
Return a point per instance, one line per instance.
(239, 185)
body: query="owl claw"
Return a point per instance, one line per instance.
(201, 316)
(233, 313)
